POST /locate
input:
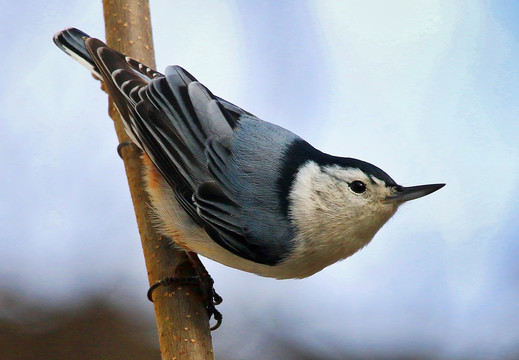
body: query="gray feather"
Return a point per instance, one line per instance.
(203, 145)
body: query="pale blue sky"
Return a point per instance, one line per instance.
(426, 90)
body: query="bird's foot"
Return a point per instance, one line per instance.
(205, 285)
(122, 145)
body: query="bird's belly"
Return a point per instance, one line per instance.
(172, 221)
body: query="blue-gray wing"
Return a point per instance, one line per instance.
(211, 152)
(244, 197)
(204, 138)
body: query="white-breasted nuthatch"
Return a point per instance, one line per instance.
(236, 189)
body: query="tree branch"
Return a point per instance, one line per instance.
(182, 320)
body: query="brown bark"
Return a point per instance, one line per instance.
(182, 320)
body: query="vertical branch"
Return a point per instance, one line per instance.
(182, 320)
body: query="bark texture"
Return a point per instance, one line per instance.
(182, 320)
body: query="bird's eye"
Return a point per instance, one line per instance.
(358, 186)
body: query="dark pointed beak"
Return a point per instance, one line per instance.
(403, 194)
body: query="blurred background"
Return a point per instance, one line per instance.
(426, 90)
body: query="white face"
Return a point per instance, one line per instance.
(336, 211)
(354, 186)
(345, 204)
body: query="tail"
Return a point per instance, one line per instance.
(110, 66)
(170, 117)
(72, 42)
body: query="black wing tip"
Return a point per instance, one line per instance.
(73, 41)
(63, 37)
(183, 73)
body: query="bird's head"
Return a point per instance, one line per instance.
(347, 199)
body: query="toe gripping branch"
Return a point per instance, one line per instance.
(122, 145)
(205, 285)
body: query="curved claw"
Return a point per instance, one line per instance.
(169, 281)
(121, 145)
(218, 317)
(152, 288)
(217, 299)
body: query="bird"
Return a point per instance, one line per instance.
(231, 187)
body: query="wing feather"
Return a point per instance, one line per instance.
(188, 134)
